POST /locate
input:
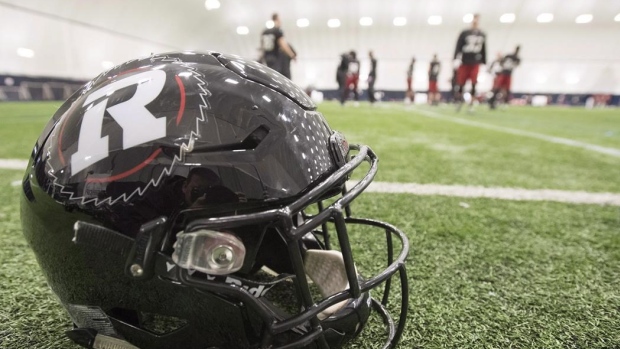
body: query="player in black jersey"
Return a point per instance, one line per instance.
(274, 45)
(341, 71)
(372, 76)
(471, 52)
(433, 74)
(285, 62)
(501, 88)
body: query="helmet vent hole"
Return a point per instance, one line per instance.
(250, 142)
(256, 137)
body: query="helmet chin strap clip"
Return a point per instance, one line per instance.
(140, 252)
(141, 261)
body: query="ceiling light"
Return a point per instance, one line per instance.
(25, 52)
(269, 24)
(212, 4)
(585, 18)
(243, 30)
(468, 18)
(507, 18)
(333, 23)
(365, 21)
(400, 21)
(434, 20)
(303, 22)
(544, 18)
(617, 18)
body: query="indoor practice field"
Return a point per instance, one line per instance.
(489, 267)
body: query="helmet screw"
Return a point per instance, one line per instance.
(223, 255)
(136, 270)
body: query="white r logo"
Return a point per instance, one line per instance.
(138, 124)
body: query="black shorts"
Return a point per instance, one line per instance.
(273, 62)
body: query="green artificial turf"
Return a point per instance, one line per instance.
(488, 274)
(20, 126)
(597, 126)
(416, 148)
(506, 274)
(496, 274)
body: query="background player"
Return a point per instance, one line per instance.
(409, 95)
(286, 62)
(341, 71)
(495, 68)
(433, 73)
(453, 84)
(352, 78)
(471, 52)
(372, 76)
(501, 89)
(273, 45)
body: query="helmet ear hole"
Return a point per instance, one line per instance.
(273, 253)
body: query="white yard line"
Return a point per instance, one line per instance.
(558, 140)
(13, 164)
(517, 194)
(464, 191)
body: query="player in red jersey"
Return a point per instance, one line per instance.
(501, 87)
(352, 78)
(433, 74)
(471, 52)
(495, 68)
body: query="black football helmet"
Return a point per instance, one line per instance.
(186, 200)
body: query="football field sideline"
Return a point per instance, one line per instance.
(501, 193)
(464, 191)
(13, 164)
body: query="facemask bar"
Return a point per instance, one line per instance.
(337, 214)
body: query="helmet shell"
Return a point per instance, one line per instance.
(161, 136)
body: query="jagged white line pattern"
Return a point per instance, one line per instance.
(184, 148)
